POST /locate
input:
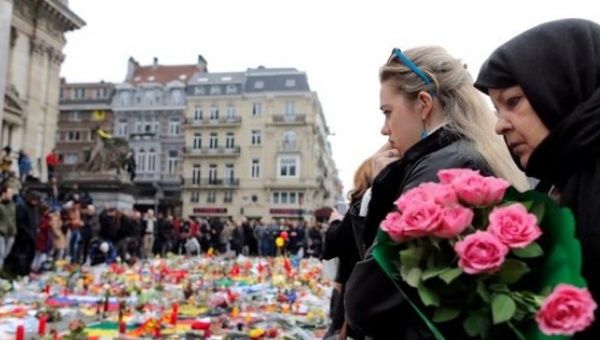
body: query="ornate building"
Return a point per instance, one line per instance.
(148, 111)
(32, 67)
(256, 145)
(84, 107)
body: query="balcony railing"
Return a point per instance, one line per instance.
(211, 182)
(207, 121)
(296, 119)
(208, 152)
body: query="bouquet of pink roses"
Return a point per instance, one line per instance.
(482, 254)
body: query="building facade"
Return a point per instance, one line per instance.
(256, 146)
(84, 107)
(149, 112)
(32, 85)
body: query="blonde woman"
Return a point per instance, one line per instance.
(434, 119)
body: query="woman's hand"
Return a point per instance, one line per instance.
(384, 156)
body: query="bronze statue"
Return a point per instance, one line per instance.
(108, 153)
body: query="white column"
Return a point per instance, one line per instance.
(6, 8)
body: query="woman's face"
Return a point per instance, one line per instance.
(403, 124)
(518, 122)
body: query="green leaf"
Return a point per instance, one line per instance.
(451, 275)
(482, 291)
(512, 270)
(433, 272)
(476, 325)
(538, 210)
(444, 314)
(428, 296)
(527, 204)
(412, 276)
(532, 250)
(411, 257)
(503, 308)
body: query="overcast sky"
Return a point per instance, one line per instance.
(339, 44)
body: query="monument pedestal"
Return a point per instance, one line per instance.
(107, 190)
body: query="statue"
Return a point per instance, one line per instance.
(108, 153)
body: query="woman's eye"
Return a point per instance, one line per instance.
(513, 101)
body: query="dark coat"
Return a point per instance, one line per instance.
(374, 306)
(23, 251)
(557, 64)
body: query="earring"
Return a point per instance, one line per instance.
(423, 134)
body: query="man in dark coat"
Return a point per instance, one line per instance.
(28, 220)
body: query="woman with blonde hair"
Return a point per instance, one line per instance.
(434, 119)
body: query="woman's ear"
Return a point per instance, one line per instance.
(425, 104)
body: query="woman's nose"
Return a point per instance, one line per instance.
(502, 125)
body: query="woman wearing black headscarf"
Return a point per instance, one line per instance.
(545, 85)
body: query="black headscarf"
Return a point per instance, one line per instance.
(557, 64)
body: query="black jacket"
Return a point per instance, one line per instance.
(374, 306)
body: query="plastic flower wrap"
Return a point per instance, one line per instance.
(476, 252)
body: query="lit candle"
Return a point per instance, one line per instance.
(174, 313)
(122, 327)
(42, 324)
(20, 334)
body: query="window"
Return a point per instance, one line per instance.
(259, 84)
(73, 136)
(257, 109)
(79, 93)
(198, 113)
(289, 140)
(230, 89)
(228, 197)
(214, 113)
(288, 166)
(212, 174)
(213, 141)
(230, 111)
(229, 173)
(148, 127)
(71, 158)
(141, 161)
(173, 162)
(211, 197)
(174, 127)
(195, 197)
(229, 140)
(151, 161)
(256, 137)
(288, 197)
(290, 82)
(122, 127)
(197, 142)
(62, 93)
(215, 89)
(139, 126)
(255, 168)
(177, 97)
(196, 174)
(290, 109)
(74, 116)
(124, 98)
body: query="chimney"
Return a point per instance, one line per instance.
(202, 64)
(155, 63)
(132, 66)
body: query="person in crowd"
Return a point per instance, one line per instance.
(23, 251)
(43, 242)
(91, 228)
(545, 86)
(59, 239)
(149, 226)
(102, 252)
(74, 224)
(340, 243)
(24, 166)
(315, 239)
(6, 160)
(52, 161)
(237, 237)
(130, 165)
(8, 226)
(434, 119)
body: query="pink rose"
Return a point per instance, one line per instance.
(393, 226)
(421, 220)
(478, 190)
(480, 252)
(427, 192)
(455, 220)
(566, 310)
(514, 226)
(447, 176)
